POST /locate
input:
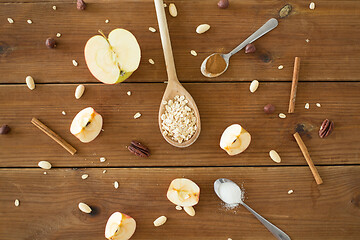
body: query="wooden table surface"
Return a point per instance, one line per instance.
(329, 75)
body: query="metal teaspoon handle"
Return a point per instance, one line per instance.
(267, 27)
(279, 234)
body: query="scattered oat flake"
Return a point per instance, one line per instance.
(75, 63)
(29, 21)
(63, 113)
(137, 115)
(281, 115)
(290, 191)
(179, 208)
(101, 130)
(107, 21)
(229, 238)
(318, 104)
(104, 171)
(17, 202)
(151, 61)
(45, 173)
(128, 93)
(280, 67)
(165, 81)
(307, 40)
(102, 159)
(84, 176)
(10, 20)
(58, 35)
(307, 105)
(54, 7)
(165, 5)
(193, 53)
(312, 6)
(116, 184)
(151, 29)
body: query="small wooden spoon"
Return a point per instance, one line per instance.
(174, 87)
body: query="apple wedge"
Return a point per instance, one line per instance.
(235, 139)
(86, 125)
(120, 227)
(112, 60)
(183, 192)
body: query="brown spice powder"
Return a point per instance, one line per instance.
(215, 64)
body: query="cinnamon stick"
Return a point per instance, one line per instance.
(294, 84)
(53, 135)
(306, 154)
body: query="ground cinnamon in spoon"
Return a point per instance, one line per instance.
(215, 64)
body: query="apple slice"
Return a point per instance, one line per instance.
(112, 60)
(183, 192)
(120, 227)
(235, 139)
(86, 125)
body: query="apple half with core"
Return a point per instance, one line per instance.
(86, 125)
(120, 227)
(112, 60)
(235, 139)
(183, 192)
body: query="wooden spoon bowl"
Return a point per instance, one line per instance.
(174, 87)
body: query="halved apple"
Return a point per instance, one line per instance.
(86, 125)
(120, 227)
(112, 60)
(183, 192)
(235, 139)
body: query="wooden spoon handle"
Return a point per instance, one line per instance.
(165, 40)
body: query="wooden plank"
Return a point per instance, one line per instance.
(48, 203)
(331, 54)
(220, 105)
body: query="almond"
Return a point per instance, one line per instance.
(202, 28)
(30, 82)
(172, 10)
(190, 211)
(79, 91)
(84, 208)
(160, 221)
(44, 165)
(275, 156)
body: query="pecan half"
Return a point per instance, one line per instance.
(138, 149)
(326, 128)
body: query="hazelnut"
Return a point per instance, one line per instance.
(5, 129)
(50, 43)
(223, 4)
(250, 48)
(81, 5)
(269, 108)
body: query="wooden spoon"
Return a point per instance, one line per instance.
(174, 87)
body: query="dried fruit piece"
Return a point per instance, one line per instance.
(139, 149)
(160, 221)
(223, 4)
(84, 207)
(81, 5)
(5, 129)
(190, 210)
(30, 82)
(202, 28)
(50, 43)
(250, 48)
(44, 165)
(326, 128)
(254, 86)
(275, 156)
(269, 108)
(79, 91)
(172, 10)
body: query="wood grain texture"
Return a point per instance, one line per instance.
(48, 203)
(331, 54)
(220, 105)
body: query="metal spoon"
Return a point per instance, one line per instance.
(272, 228)
(267, 27)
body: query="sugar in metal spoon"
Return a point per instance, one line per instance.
(267, 27)
(237, 193)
